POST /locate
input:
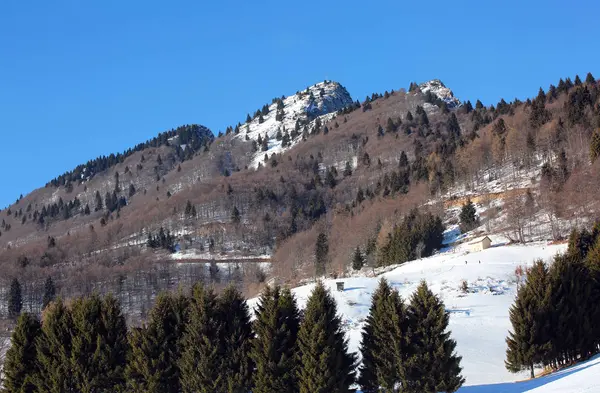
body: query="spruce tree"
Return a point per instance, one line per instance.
(595, 146)
(54, 350)
(201, 359)
(358, 261)
(321, 254)
(15, 299)
(383, 345)
(590, 78)
(49, 292)
(274, 348)
(99, 344)
(153, 363)
(326, 366)
(20, 365)
(468, 217)
(237, 338)
(431, 365)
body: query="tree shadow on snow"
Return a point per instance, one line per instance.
(521, 387)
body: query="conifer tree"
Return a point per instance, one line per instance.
(201, 359)
(347, 170)
(326, 366)
(15, 299)
(358, 261)
(153, 364)
(383, 341)
(54, 350)
(428, 321)
(49, 292)
(468, 217)
(321, 254)
(595, 145)
(237, 338)
(235, 215)
(590, 78)
(274, 348)
(99, 344)
(20, 367)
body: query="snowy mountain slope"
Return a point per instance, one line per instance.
(442, 92)
(479, 319)
(321, 100)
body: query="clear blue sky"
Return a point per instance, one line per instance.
(80, 80)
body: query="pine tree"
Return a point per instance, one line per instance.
(590, 78)
(15, 299)
(201, 359)
(321, 254)
(237, 338)
(49, 292)
(468, 217)
(326, 366)
(347, 170)
(54, 350)
(235, 215)
(274, 348)
(20, 366)
(595, 145)
(153, 364)
(428, 335)
(383, 341)
(358, 261)
(99, 344)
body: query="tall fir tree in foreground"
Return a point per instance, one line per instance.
(153, 364)
(201, 359)
(383, 345)
(432, 365)
(15, 299)
(20, 363)
(274, 348)
(54, 350)
(99, 345)
(236, 337)
(528, 343)
(326, 366)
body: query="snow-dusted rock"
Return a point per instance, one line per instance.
(441, 91)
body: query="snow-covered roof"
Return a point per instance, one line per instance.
(479, 240)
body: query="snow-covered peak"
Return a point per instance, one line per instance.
(438, 88)
(320, 101)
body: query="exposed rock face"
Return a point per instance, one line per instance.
(438, 88)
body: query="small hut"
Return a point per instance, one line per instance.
(479, 244)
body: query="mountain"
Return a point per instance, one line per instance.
(248, 206)
(436, 87)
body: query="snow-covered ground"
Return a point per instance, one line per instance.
(478, 319)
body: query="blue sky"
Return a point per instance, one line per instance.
(78, 80)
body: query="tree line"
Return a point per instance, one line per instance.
(206, 342)
(554, 317)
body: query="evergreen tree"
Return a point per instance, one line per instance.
(235, 215)
(326, 366)
(153, 364)
(358, 261)
(347, 170)
(432, 365)
(383, 341)
(201, 359)
(590, 78)
(15, 299)
(237, 338)
(54, 350)
(468, 217)
(20, 366)
(321, 254)
(274, 348)
(99, 345)
(49, 292)
(595, 145)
